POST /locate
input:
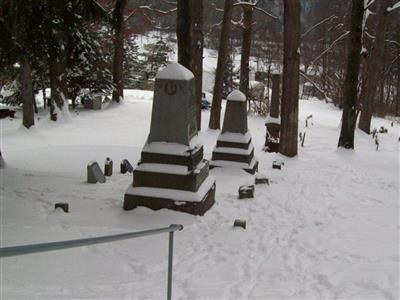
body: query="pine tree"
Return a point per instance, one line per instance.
(156, 56)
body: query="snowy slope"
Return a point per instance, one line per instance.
(326, 227)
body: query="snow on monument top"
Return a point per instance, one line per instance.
(236, 95)
(175, 71)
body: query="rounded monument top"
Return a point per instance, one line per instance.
(175, 71)
(236, 95)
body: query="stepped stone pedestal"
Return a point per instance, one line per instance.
(234, 147)
(172, 172)
(273, 121)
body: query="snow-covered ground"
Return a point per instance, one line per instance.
(326, 227)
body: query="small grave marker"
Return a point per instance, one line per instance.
(246, 191)
(126, 166)
(383, 130)
(261, 179)
(94, 173)
(240, 223)
(277, 165)
(64, 206)
(108, 167)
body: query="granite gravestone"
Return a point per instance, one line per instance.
(171, 172)
(234, 147)
(273, 121)
(94, 173)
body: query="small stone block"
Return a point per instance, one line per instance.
(63, 206)
(261, 179)
(240, 223)
(277, 165)
(108, 167)
(94, 173)
(126, 166)
(246, 191)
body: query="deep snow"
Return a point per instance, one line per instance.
(326, 227)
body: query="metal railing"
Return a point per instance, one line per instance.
(36, 248)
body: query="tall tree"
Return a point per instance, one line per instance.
(215, 115)
(375, 62)
(27, 95)
(17, 47)
(118, 68)
(290, 83)
(346, 139)
(246, 46)
(189, 31)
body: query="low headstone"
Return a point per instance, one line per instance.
(246, 191)
(239, 223)
(234, 145)
(383, 130)
(261, 76)
(277, 165)
(2, 162)
(261, 179)
(273, 121)
(94, 173)
(5, 112)
(171, 172)
(64, 206)
(108, 167)
(126, 166)
(94, 103)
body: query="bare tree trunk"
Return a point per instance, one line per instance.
(189, 32)
(290, 84)
(397, 112)
(56, 86)
(374, 68)
(118, 68)
(28, 118)
(246, 46)
(346, 139)
(215, 115)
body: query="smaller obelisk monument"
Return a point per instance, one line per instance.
(234, 147)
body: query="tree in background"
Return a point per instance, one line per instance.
(246, 47)
(215, 115)
(189, 31)
(17, 49)
(290, 84)
(230, 75)
(375, 66)
(118, 24)
(156, 56)
(349, 117)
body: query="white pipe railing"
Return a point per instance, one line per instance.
(37, 248)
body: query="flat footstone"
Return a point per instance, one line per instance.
(277, 165)
(240, 223)
(261, 179)
(246, 191)
(63, 206)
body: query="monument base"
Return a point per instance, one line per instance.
(250, 168)
(195, 203)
